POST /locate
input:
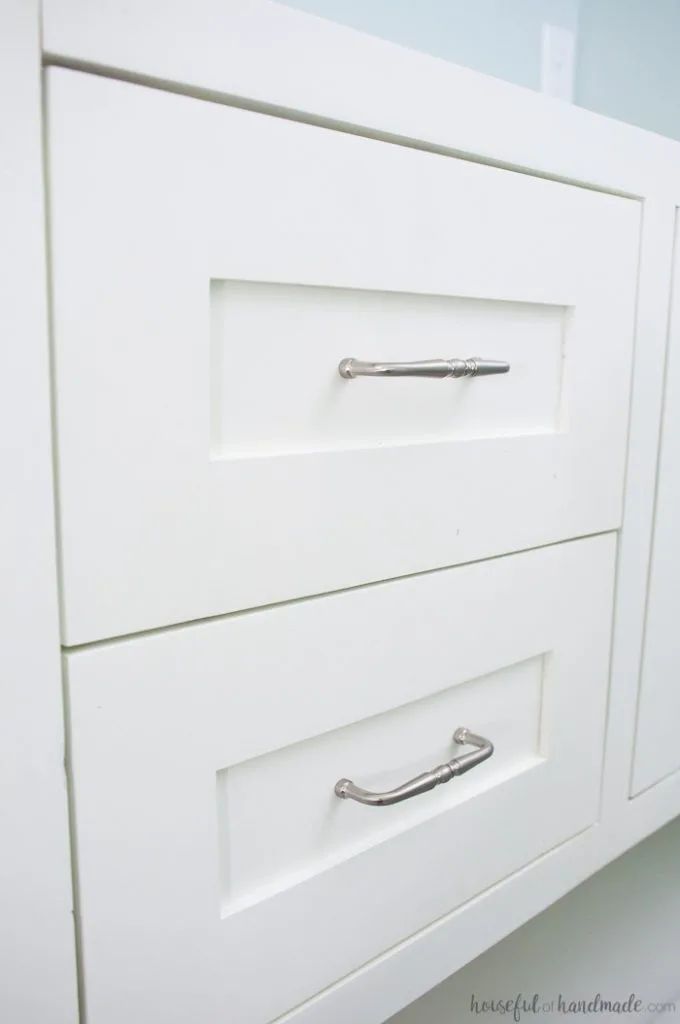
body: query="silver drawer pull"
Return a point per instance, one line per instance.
(438, 369)
(347, 790)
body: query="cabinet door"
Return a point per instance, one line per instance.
(222, 879)
(657, 752)
(213, 266)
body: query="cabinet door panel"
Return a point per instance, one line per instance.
(657, 753)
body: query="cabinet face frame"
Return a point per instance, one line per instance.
(38, 954)
(263, 56)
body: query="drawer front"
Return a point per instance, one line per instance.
(211, 844)
(213, 266)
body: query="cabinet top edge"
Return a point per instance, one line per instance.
(263, 55)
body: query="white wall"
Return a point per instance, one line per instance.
(617, 934)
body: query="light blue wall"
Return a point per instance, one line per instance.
(628, 63)
(498, 37)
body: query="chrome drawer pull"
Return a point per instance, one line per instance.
(436, 368)
(347, 790)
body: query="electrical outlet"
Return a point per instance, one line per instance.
(558, 51)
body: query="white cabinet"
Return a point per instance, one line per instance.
(211, 268)
(209, 838)
(273, 577)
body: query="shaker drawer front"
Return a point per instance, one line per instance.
(211, 269)
(215, 751)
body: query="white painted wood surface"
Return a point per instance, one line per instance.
(626, 817)
(37, 954)
(260, 53)
(159, 524)
(313, 830)
(263, 56)
(657, 753)
(154, 719)
(617, 933)
(276, 347)
(414, 967)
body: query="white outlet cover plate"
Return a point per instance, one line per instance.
(558, 51)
